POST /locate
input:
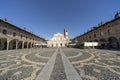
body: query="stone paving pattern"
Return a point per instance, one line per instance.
(100, 65)
(23, 64)
(58, 70)
(92, 64)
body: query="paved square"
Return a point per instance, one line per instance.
(60, 64)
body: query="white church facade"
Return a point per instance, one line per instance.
(59, 40)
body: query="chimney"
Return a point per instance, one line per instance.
(24, 28)
(101, 23)
(117, 15)
(4, 19)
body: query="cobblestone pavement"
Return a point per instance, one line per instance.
(95, 64)
(23, 64)
(90, 64)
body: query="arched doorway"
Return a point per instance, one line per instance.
(3, 43)
(29, 45)
(12, 44)
(119, 43)
(32, 44)
(103, 43)
(52, 45)
(113, 42)
(20, 45)
(25, 44)
(61, 45)
(56, 45)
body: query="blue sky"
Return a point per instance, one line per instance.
(47, 17)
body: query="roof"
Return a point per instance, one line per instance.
(98, 27)
(21, 29)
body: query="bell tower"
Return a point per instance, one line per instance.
(66, 33)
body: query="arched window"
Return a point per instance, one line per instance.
(4, 31)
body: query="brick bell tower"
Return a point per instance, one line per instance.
(66, 33)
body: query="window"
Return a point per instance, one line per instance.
(108, 25)
(4, 31)
(14, 34)
(94, 35)
(101, 33)
(21, 36)
(90, 37)
(109, 31)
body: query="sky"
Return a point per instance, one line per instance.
(47, 17)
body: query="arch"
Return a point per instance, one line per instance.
(12, 44)
(119, 43)
(65, 44)
(52, 45)
(20, 44)
(103, 43)
(25, 44)
(29, 45)
(61, 45)
(3, 43)
(102, 40)
(32, 44)
(56, 45)
(112, 39)
(113, 42)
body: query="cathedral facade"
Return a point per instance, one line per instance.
(59, 40)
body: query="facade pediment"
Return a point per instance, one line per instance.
(58, 40)
(58, 34)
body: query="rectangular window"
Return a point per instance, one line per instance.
(14, 34)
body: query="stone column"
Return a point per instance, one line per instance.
(31, 45)
(16, 44)
(22, 45)
(7, 45)
(27, 44)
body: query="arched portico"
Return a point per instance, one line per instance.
(25, 44)
(103, 43)
(13, 44)
(3, 43)
(29, 45)
(32, 44)
(113, 42)
(20, 44)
